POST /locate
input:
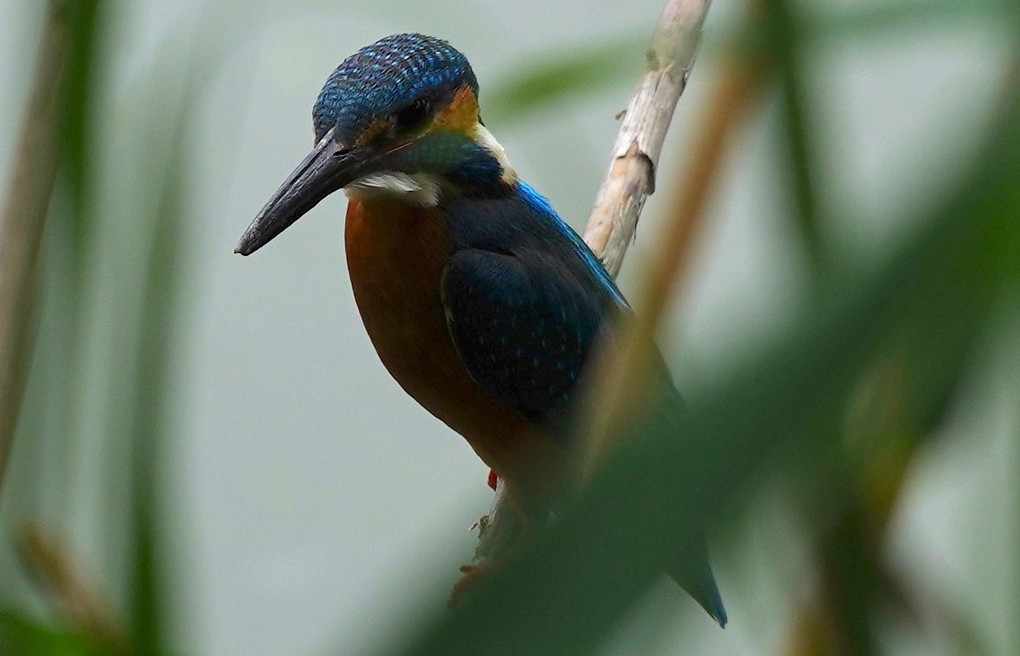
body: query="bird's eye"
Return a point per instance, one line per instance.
(412, 115)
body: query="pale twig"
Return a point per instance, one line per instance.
(629, 181)
(631, 176)
(24, 213)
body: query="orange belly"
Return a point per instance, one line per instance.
(395, 255)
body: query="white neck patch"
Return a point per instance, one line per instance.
(416, 188)
(486, 140)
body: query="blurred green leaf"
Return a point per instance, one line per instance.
(788, 55)
(564, 76)
(819, 25)
(158, 321)
(71, 233)
(161, 289)
(558, 77)
(82, 17)
(20, 636)
(856, 21)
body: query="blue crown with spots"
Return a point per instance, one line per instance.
(386, 76)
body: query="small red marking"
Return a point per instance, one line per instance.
(493, 478)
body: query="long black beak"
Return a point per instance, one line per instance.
(323, 171)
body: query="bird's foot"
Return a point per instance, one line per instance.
(472, 574)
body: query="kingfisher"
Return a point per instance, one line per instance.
(482, 303)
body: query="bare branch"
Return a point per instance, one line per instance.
(24, 213)
(631, 176)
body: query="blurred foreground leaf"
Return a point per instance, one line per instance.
(655, 497)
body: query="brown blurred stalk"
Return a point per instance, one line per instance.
(79, 598)
(618, 386)
(26, 201)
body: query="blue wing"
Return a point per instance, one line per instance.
(524, 323)
(521, 326)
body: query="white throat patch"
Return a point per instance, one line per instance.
(417, 188)
(424, 188)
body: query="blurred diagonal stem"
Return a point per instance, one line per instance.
(24, 213)
(628, 182)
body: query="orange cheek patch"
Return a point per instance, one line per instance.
(461, 114)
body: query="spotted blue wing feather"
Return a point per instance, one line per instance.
(523, 329)
(540, 206)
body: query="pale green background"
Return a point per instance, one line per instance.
(312, 500)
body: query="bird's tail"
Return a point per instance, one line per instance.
(695, 576)
(691, 569)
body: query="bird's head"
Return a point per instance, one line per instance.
(399, 118)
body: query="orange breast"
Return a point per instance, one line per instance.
(395, 255)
